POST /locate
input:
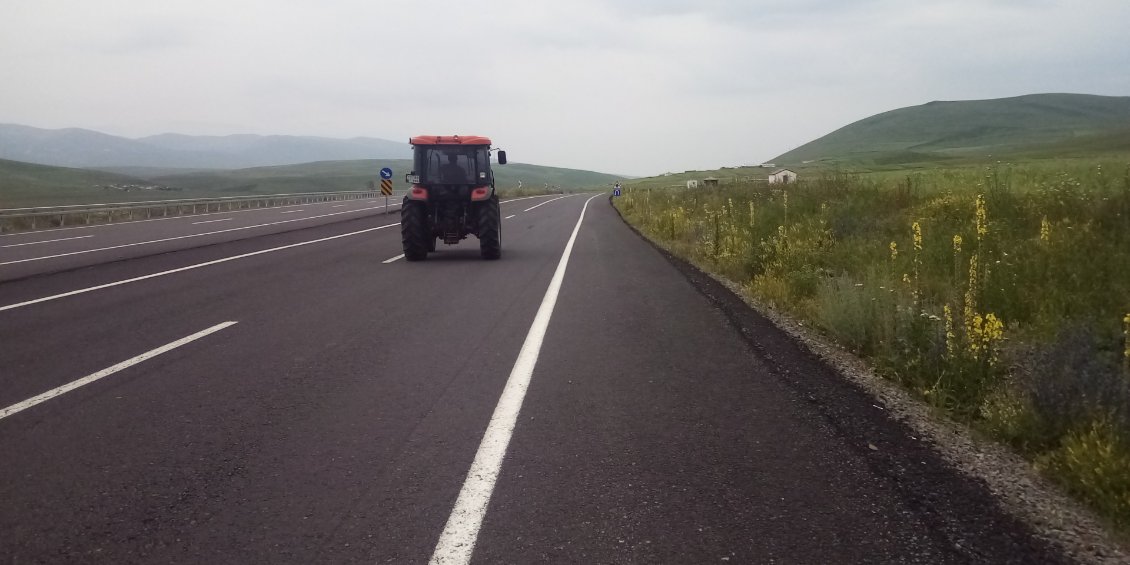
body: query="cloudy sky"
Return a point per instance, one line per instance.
(624, 86)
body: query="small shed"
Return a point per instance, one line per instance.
(782, 176)
(692, 184)
(710, 182)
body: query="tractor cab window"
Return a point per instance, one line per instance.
(452, 164)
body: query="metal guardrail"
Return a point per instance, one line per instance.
(45, 217)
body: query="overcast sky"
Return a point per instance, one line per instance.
(624, 86)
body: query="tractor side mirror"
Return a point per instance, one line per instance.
(501, 157)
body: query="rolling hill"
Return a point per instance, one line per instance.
(1030, 125)
(75, 147)
(28, 184)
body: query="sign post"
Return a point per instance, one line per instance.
(386, 185)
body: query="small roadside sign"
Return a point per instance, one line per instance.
(386, 185)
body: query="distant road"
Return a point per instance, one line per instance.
(250, 391)
(44, 251)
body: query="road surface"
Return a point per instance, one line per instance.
(298, 393)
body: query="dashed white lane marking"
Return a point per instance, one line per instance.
(338, 206)
(510, 216)
(46, 241)
(387, 261)
(544, 203)
(212, 221)
(188, 268)
(457, 541)
(20, 406)
(291, 211)
(187, 236)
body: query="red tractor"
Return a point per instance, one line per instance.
(452, 195)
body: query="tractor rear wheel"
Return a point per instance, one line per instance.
(490, 229)
(414, 231)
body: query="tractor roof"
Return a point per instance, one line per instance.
(449, 140)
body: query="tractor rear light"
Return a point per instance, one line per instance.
(418, 193)
(480, 193)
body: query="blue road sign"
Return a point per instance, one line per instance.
(386, 173)
(616, 192)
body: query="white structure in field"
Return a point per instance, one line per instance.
(782, 176)
(692, 184)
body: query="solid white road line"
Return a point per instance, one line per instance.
(291, 211)
(185, 236)
(338, 206)
(47, 241)
(510, 216)
(20, 406)
(546, 202)
(387, 261)
(457, 541)
(188, 268)
(212, 221)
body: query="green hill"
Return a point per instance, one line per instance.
(26, 184)
(1052, 124)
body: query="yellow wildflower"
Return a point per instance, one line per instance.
(894, 251)
(985, 333)
(971, 295)
(1045, 230)
(751, 216)
(947, 314)
(981, 217)
(917, 236)
(956, 244)
(906, 278)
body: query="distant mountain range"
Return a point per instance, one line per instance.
(1036, 124)
(73, 147)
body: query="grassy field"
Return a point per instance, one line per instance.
(998, 293)
(25, 184)
(939, 132)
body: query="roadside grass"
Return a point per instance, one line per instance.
(998, 294)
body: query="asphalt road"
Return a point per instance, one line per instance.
(309, 398)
